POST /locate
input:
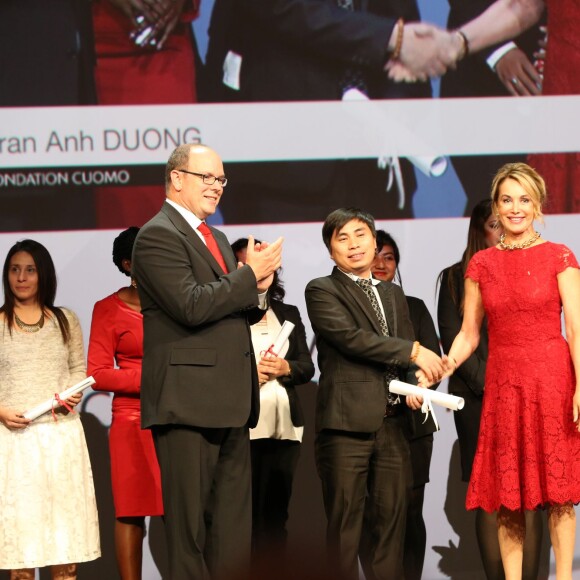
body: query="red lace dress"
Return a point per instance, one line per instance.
(561, 171)
(528, 451)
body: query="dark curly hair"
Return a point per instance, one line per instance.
(123, 247)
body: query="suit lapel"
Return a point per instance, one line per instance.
(225, 249)
(358, 296)
(181, 224)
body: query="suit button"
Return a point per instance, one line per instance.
(247, 353)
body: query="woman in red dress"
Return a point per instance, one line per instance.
(158, 72)
(528, 451)
(115, 353)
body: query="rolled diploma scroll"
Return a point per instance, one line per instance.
(434, 166)
(282, 337)
(444, 399)
(51, 403)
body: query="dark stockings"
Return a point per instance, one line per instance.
(486, 530)
(415, 536)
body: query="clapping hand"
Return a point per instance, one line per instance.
(264, 259)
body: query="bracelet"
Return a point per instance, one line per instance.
(399, 40)
(465, 45)
(415, 351)
(454, 364)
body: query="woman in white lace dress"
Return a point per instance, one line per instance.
(48, 514)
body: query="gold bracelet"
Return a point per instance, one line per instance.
(415, 351)
(464, 43)
(399, 41)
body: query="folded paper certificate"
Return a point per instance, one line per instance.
(53, 402)
(429, 397)
(282, 337)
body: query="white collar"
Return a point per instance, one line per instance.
(354, 277)
(188, 216)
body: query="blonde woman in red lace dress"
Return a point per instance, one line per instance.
(528, 452)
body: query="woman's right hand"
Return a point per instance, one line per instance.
(12, 419)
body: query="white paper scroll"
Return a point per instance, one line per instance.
(430, 165)
(282, 337)
(429, 397)
(52, 403)
(434, 166)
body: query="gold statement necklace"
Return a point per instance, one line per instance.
(519, 246)
(25, 327)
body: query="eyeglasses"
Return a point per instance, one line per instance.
(206, 178)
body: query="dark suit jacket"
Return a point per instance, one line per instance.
(352, 352)
(470, 376)
(469, 379)
(426, 334)
(298, 357)
(46, 53)
(198, 364)
(300, 49)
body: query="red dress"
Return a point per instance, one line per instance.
(561, 171)
(117, 337)
(130, 75)
(528, 451)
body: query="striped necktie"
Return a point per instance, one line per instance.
(391, 371)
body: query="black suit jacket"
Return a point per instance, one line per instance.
(426, 334)
(46, 53)
(300, 49)
(198, 364)
(470, 376)
(353, 353)
(298, 357)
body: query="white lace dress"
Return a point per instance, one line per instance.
(48, 513)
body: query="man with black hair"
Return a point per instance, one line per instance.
(365, 339)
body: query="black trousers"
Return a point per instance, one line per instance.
(274, 463)
(366, 477)
(205, 476)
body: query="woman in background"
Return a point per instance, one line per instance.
(420, 436)
(146, 55)
(115, 354)
(48, 513)
(275, 441)
(468, 383)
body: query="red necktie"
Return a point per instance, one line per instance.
(212, 245)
